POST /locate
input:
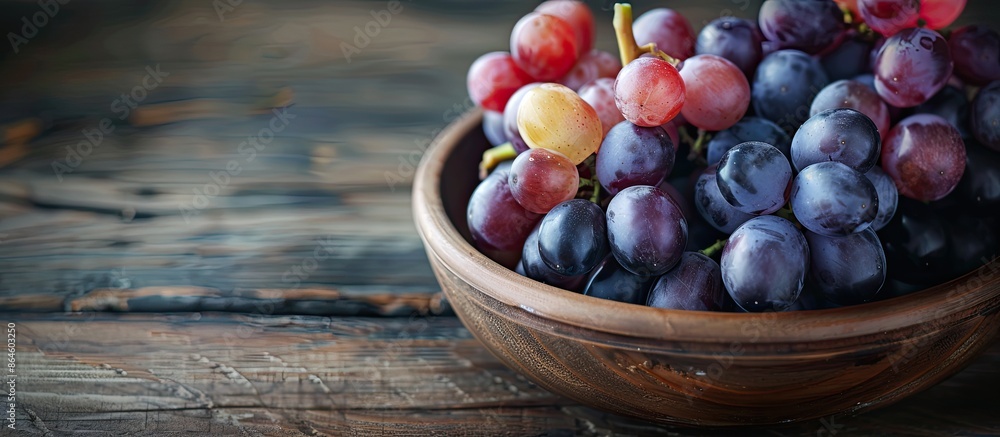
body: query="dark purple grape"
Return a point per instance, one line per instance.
(888, 197)
(832, 199)
(784, 87)
(493, 127)
(634, 155)
(950, 104)
(713, 207)
(611, 281)
(979, 188)
(976, 52)
(911, 67)
(764, 265)
(809, 301)
(916, 244)
(857, 96)
(840, 135)
(754, 177)
(782, 21)
(986, 116)
(499, 225)
(847, 270)
(572, 237)
(646, 229)
(533, 267)
(889, 16)
(848, 60)
(735, 39)
(925, 156)
(694, 285)
(748, 129)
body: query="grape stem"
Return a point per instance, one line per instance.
(627, 46)
(494, 156)
(787, 214)
(710, 251)
(698, 146)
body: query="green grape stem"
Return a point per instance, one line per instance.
(710, 251)
(628, 48)
(494, 156)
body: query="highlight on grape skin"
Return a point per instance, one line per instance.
(554, 117)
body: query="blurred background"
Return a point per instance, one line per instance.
(199, 155)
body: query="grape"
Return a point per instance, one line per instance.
(782, 21)
(611, 281)
(498, 224)
(976, 52)
(493, 78)
(912, 66)
(554, 117)
(713, 207)
(577, 15)
(694, 285)
(649, 92)
(854, 95)
(888, 17)
(534, 268)
(980, 184)
(647, 230)
(572, 237)
(754, 177)
(832, 199)
(887, 194)
(634, 155)
(600, 94)
(593, 65)
(493, 127)
(541, 179)
(938, 14)
(849, 59)
(986, 116)
(925, 156)
(847, 270)
(842, 135)
(668, 29)
(717, 93)
(764, 264)
(510, 118)
(785, 85)
(544, 46)
(950, 104)
(735, 39)
(916, 245)
(748, 129)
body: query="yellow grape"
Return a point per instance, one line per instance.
(554, 117)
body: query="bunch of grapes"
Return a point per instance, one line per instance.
(830, 154)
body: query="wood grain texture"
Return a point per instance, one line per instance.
(152, 374)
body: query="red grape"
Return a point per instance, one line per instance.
(938, 14)
(541, 179)
(925, 156)
(578, 15)
(499, 225)
(493, 78)
(649, 92)
(856, 96)
(889, 16)
(668, 29)
(592, 65)
(717, 93)
(600, 94)
(976, 51)
(544, 46)
(912, 66)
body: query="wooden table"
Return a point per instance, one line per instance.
(153, 295)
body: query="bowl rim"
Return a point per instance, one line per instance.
(935, 304)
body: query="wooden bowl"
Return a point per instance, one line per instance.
(692, 367)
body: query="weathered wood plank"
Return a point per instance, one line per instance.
(245, 375)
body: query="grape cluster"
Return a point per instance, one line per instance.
(834, 152)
